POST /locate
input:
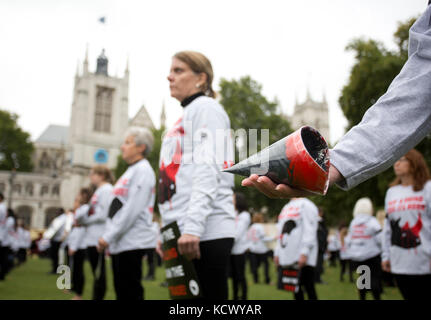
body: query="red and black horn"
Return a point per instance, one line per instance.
(300, 160)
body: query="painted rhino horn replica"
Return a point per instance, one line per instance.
(300, 160)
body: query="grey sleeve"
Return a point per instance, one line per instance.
(397, 122)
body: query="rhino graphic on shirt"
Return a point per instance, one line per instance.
(406, 237)
(288, 226)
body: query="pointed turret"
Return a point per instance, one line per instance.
(102, 64)
(85, 64)
(126, 71)
(77, 70)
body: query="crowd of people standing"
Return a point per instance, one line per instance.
(218, 234)
(15, 239)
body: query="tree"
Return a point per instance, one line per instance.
(248, 108)
(374, 69)
(14, 141)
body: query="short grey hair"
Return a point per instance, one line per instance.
(142, 136)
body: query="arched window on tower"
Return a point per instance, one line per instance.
(43, 190)
(102, 117)
(55, 190)
(17, 188)
(29, 189)
(44, 161)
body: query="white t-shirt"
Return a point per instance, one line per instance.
(94, 219)
(407, 230)
(192, 189)
(364, 238)
(297, 229)
(130, 227)
(258, 239)
(241, 244)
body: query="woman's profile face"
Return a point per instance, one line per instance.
(402, 167)
(130, 151)
(183, 82)
(95, 179)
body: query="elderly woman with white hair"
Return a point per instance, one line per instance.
(131, 215)
(364, 244)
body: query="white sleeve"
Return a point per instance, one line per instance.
(28, 238)
(242, 227)
(101, 210)
(81, 212)
(397, 122)
(377, 232)
(277, 245)
(205, 170)
(309, 234)
(348, 240)
(75, 238)
(427, 197)
(140, 193)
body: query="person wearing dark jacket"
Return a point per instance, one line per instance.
(322, 240)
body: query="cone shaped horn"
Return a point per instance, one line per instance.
(300, 160)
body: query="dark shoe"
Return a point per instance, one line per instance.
(149, 278)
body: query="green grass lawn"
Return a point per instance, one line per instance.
(32, 281)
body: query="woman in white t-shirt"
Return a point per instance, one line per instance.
(76, 243)
(407, 228)
(240, 246)
(258, 248)
(345, 261)
(364, 245)
(192, 190)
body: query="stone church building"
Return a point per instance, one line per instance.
(64, 155)
(312, 113)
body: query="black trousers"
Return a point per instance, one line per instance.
(319, 266)
(77, 265)
(376, 277)
(9, 260)
(346, 265)
(53, 253)
(306, 281)
(333, 257)
(127, 269)
(212, 267)
(255, 260)
(3, 262)
(150, 261)
(237, 267)
(99, 284)
(414, 287)
(22, 255)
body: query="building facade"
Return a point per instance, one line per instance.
(64, 155)
(312, 113)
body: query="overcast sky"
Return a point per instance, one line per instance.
(284, 45)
